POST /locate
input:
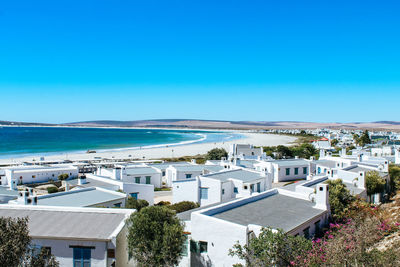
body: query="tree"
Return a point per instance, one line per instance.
(271, 248)
(374, 182)
(284, 151)
(183, 206)
(394, 172)
(339, 198)
(364, 139)
(155, 237)
(63, 177)
(334, 142)
(137, 204)
(16, 248)
(216, 154)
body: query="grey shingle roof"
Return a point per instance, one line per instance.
(67, 224)
(140, 170)
(276, 211)
(78, 198)
(290, 162)
(243, 175)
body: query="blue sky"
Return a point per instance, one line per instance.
(324, 61)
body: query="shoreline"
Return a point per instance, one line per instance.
(164, 150)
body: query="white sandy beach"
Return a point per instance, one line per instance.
(257, 139)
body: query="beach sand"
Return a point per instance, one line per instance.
(257, 139)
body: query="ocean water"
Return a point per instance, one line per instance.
(23, 141)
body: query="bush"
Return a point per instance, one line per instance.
(216, 154)
(163, 203)
(339, 198)
(52, 189)
(183, 206)
(375, 183)
(137, 204)
(63, 176)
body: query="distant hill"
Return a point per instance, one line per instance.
(219, 124)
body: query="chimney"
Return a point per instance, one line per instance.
(343, 151)
(117, 173)
(67, 185)
(13, 184)
(361, 180)
(312, 158)
(193, 161)
(82, 180)
(397, 156)
(322, 197)
(23, 197)
(322, 153)
(237, 162)
(360, 157)
(386, 166)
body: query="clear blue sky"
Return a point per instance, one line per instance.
(325, 61)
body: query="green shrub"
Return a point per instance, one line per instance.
(52, 189)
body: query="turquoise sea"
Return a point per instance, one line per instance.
(23, 141)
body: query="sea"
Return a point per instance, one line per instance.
(26, 141)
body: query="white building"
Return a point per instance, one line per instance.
(246, 151)
(285, 170)
(36, 174)
(93, 237)
(80, 197)
(322, 143)
(214, 230)
(185, 172)
(221, 186)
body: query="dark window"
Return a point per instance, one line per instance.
(304, 170)
(203, 246)
(82, 257)
(110, 253)
(296, 171)
(235, 190)
(306, 232)
(287, 171)
(188, 176)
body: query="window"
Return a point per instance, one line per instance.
(82, 256)
(203, 193)
(148, 179)
(252, 188)
(203, 246)
(304, 170)
(163, 173)
(223, 191)
(319, 169)
(111, 253)
(33, 176)
(235, 190)
(258, 187)
(188, 176)
(296, 171)
(134, 195)
(185, 246)
(287, 171)
(118, 205)
(306, 232)
(317, 227)
(137, 180)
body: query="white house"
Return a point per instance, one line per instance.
(322, 143)
(137, 191)
(93, 237)
(285, 170)
(220, 186)
(214, 230)
(184, 172)
(246, 151)
(80, 197)
(37, 174)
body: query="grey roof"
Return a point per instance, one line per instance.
(67, 224)
(93, 183)
(290, 162)
(213, 168)
(243, 175)
(358, 168)
(354, 190)
(140, 170)
(5, 191)
(326, 163)
(191, 167)
(247, 163)
(78, 198)
(163, 166)
(276, 211)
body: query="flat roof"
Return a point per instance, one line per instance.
(6, 191)
(290, 162)
(84, 224)
(165, 165)
(326, 163)
(239, 174)
(140, 170)
(276, 211)
(358, 168)
(94, 183)
(79, 198)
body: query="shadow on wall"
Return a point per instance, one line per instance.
(198, 260)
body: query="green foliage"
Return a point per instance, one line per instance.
(363, 139)
(394, 172)
(15, 249)
(155, 237)
(156, 189)
(305, 150)
(334, 142)
(63, 176)
(163, 203)
(52, 189)
(339, 198)
(137, 204)
(183, 206)
(271, 248)
(374, 182)
(216, 154)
